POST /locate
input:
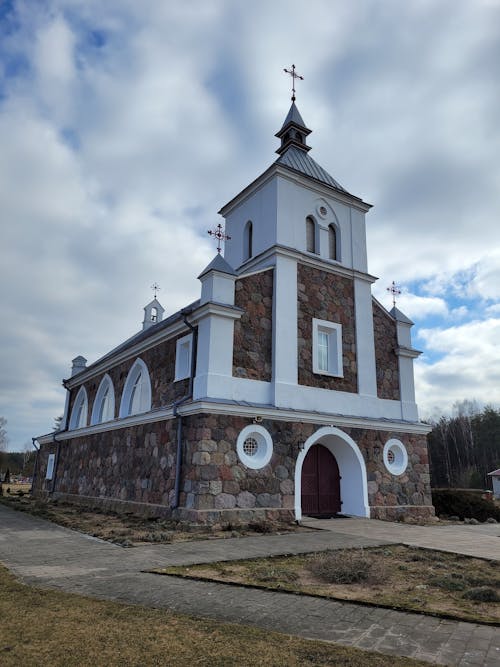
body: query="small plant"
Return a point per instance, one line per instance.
(274, 573)
(482, 594)
(347, 567)
(260, 526)
(448, 583)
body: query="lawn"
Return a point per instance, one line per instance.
(400, 577)
(44, 627)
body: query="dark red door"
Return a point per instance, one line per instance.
(320, 483)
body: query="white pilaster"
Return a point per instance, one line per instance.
(285, 348)
(365, 342)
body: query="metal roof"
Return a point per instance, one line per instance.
(298, 160)
(293, 116)
(219, 264)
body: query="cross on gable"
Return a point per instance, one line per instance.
(220, 235)
(395, 291)
(155, 287)
(294, 76)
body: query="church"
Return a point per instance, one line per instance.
(285, 390)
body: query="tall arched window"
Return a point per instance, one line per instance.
(79, 412)
(136, 395)
(310, 234)
(103, 409)
(248, 241)
(332, 242)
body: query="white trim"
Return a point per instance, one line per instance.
(352, 467)
(231, 409)
(183, 366)
(81, 398)
(400, 463)
(333, 331)
(265, 446)
(96, 408)
(49, 474)
(138, 368)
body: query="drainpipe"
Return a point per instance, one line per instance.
(177, 404)
(35, 464)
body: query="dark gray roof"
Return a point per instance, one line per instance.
(218, 264)
(399, 316)
(298, 160)
(142, 335)
(293, 117)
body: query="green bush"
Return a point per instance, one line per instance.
(464, 504)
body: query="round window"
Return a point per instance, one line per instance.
(395, 456)
(254, 446)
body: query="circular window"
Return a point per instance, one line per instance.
(254, 446)
(323, 211)
(395, 456)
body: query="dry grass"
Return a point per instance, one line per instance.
(129, 530)
(41, 627)
(14, 489)
(399, 577)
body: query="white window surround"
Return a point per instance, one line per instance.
(79, 412)
(327, 348)
(103, 409)
(183, 351)
(50, 466)
(136, 396)
(395, 457)
(254, 446)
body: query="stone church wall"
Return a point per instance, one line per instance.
(133, 469)
(252, 356)
(160, 361)
(386, 342)
(329, 297)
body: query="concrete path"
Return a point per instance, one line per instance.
(481, 541)
(44, 554)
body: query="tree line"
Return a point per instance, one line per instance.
(465, 447)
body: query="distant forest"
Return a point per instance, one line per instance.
(463, 449)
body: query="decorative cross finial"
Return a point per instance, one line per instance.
(395, 291)
(294, 76)
(219, 234)
(155, 287)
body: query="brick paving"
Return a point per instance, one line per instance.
(42, 553)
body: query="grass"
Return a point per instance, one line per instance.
(127, 529)
(400, 577)
(44, 627)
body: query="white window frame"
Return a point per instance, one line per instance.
(80, 411)
(264, 451)
(334, 333)
(50, 466)
(183, 363)
(399, 463)
(138, 368)
(106, 383)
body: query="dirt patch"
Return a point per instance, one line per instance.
(400, 577)
(129, 530)
(44, 627)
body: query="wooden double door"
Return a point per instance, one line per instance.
(320, 483)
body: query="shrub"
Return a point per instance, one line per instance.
(274, 573)
(447, 583)
(346, 567)
(463, 504)
(483, 594)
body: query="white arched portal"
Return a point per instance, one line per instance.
(353, 483)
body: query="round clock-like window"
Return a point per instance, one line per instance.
(254, 446)
(395, 457)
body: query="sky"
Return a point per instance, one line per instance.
(125, 126)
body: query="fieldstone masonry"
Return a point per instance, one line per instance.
(134, 469)
(386, 342)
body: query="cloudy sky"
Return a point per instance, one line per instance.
(125, 125)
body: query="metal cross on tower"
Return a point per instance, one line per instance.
(155, 287)
(294, 76)
(220, 235)
(395, 291)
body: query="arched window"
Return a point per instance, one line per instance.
(104, 403)
(136, 395)
(248, 241)
(79, 412)
(310, 234)
(332, 242)
(154, 314)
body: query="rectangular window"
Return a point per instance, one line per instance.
(50, 466)
(183, 357)
(327, 348)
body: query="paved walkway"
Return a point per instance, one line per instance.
(44, 554)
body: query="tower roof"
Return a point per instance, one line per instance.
(297, 160)
(294, 117)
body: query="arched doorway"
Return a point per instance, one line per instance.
(320, 495)
(351, 466)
